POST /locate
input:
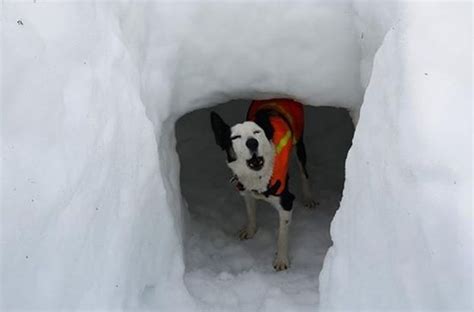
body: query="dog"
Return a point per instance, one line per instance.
(258, 152)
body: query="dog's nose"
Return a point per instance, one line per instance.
(252, 144)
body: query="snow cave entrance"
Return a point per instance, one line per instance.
(220, 267)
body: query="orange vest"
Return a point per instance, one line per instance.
(287, 120)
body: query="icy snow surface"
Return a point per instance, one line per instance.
(224, 273)
(92, 215)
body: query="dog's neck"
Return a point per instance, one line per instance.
(254, 180)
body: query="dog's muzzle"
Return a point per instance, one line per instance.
(255, 163)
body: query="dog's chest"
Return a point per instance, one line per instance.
(257, 183)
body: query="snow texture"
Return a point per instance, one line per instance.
(92, 214)
(403, 234)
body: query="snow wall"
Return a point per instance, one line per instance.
(92, 215)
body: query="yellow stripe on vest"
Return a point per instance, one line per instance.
(284, 140)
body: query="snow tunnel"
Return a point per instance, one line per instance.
(218, 264)
(263, 61)
(313, 54)
(101, 100)
(313, 66)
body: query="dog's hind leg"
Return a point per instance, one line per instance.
(301, 156)
(250, 204)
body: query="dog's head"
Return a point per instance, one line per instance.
(248, 145)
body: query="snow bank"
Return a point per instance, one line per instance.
(84, 224)
(91, 204)
(403, 234)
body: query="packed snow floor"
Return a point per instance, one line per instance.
(225, 273)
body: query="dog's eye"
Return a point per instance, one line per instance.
(256, 131)
(235, 137)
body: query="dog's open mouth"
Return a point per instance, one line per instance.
(255, 163)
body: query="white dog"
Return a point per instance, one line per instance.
(258, 152)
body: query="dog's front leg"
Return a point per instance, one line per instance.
(281, 261)
(250, 204)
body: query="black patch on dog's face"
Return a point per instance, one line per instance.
(230, 155)
(222, 135)
(262, 118)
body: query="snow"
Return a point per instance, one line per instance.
(92, 213)
(405, 239)
(81, 179)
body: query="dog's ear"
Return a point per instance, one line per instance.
(262, 119)
(221, 131)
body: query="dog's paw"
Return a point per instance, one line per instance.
(281, 263)
(247, 233)
(310, 203)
